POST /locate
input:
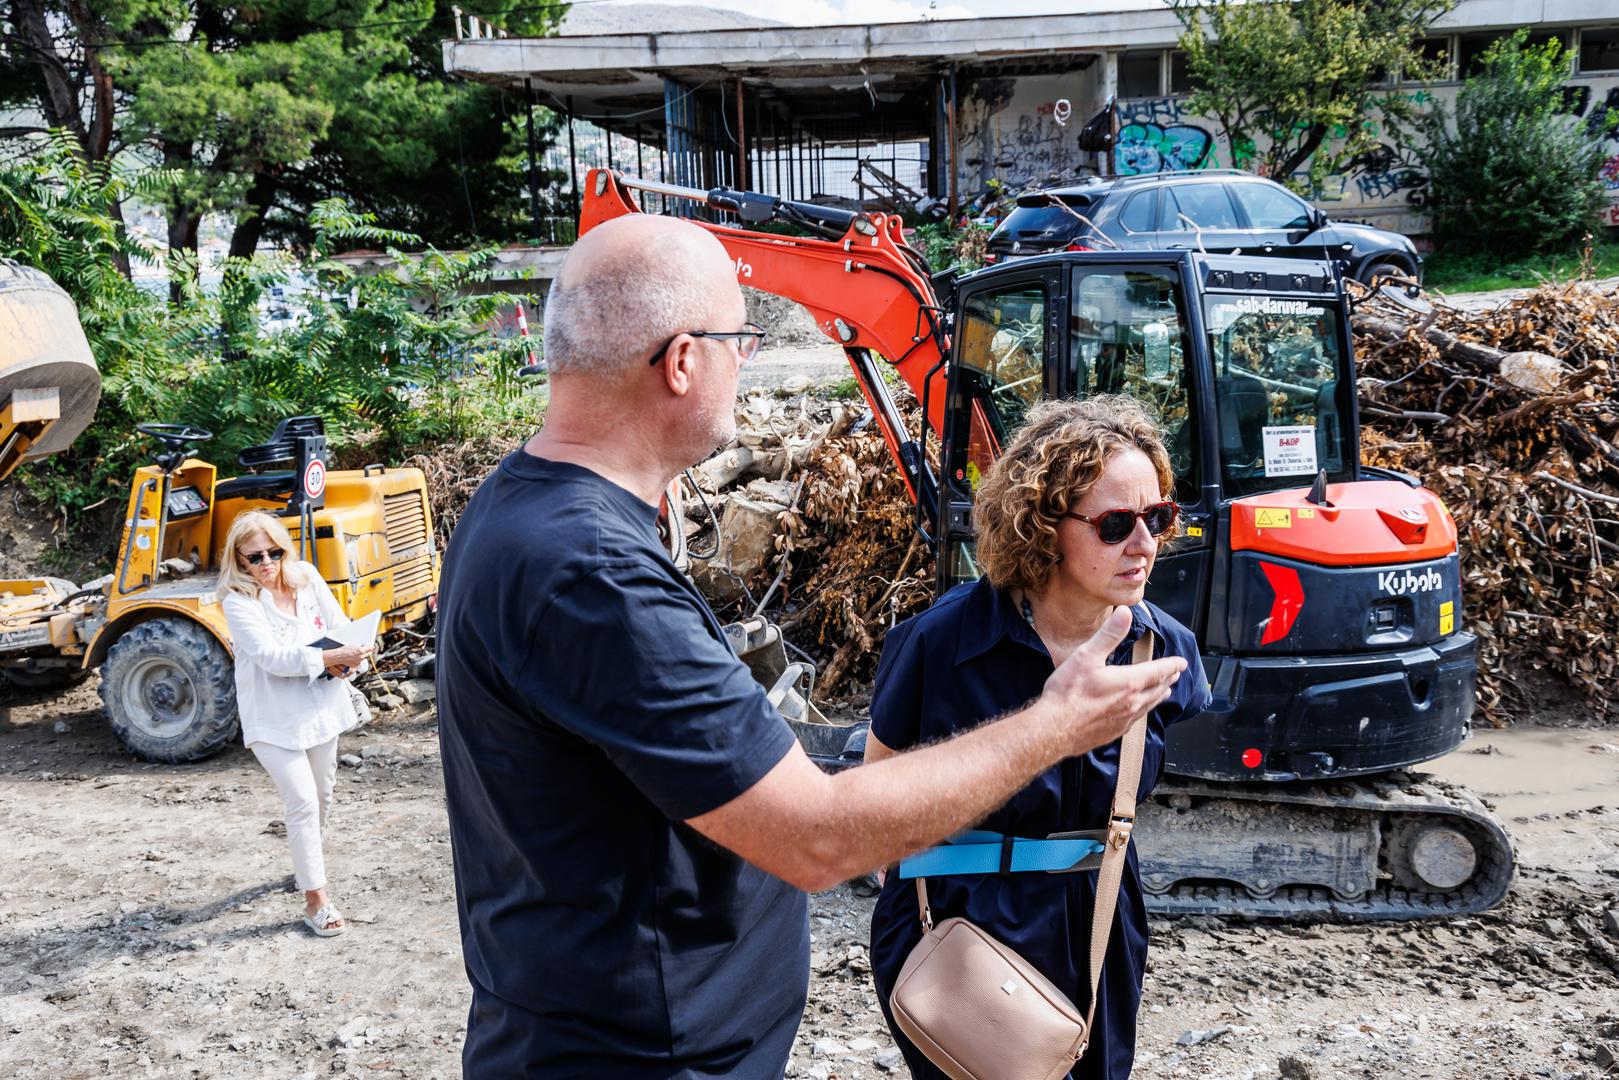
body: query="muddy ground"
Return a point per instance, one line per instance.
(148, 929)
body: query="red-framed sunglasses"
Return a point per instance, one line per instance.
(1115, 526)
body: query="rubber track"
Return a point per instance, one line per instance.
(1389, 796)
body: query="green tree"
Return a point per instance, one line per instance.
(439, 157)
(389, 359)
(261, 112)
(1292, 84)
(1509, 169)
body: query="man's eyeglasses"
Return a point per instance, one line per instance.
(748, 339)
(1115, 526)
(275, 555)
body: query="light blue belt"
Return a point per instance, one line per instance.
(980, 852)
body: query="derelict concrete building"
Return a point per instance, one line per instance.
(939, 109)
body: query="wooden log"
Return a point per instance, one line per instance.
(1475, 353)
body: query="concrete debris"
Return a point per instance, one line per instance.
(1293, 1067)
(1198, 1038)
(888, 1060)
(62, 727)
(354, 1033)
(350, 760)
(1606, 1056)
(825, 1047)
(417, 691)
(1610, 922)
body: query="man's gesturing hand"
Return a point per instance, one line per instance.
(1096, 704)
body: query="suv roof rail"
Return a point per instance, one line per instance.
(1184, 174)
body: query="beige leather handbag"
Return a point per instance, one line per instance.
(977, 1009)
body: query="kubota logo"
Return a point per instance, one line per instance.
(1395, 583)
(743, 269)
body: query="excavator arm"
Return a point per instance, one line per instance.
(867, 291)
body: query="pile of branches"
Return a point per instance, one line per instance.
(860, 562)
(1512, 416)
(804, 518)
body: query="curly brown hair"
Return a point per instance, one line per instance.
(1055, 458)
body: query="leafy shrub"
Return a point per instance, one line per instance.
(1511, 171)
(390, 359)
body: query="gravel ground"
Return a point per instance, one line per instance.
(148, 928)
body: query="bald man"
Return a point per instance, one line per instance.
(633, 826)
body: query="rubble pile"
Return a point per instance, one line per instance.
(814, 528)
(802, 516)
(1512, 416)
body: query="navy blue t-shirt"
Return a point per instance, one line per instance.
(588, 705)
(971, 658)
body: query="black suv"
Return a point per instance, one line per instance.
(1217, 210)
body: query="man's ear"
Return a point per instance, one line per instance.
(679, 360)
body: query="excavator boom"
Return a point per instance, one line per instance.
(868, 292)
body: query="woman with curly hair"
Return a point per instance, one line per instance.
(1069, 523)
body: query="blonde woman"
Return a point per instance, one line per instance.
(291, 717)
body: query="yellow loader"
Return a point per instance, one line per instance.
(152, 626)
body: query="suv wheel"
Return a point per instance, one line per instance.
(1382, 269)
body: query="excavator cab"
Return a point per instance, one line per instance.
(1324, 594)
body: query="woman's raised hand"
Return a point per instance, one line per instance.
(1096, 703)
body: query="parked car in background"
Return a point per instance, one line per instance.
(1217, 210)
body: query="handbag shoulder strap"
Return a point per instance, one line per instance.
(1122, 820)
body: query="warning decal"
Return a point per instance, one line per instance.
(1267, 517)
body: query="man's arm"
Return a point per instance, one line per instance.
(814, 830)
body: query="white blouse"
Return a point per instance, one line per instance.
(279, 695)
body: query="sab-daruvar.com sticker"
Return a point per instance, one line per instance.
(1289, 451)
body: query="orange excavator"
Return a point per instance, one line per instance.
(1325, 594)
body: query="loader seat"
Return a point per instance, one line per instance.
(272, 486)
(283, 447)
(283, 444)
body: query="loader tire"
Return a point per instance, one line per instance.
(170, 691)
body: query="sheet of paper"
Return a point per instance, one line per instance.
(362, 631)
(1290, 451)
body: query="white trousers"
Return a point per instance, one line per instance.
(305, 779)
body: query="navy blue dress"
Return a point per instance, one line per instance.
(970, 658)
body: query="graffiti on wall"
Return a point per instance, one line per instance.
(1601, 122)
(1384, 173)
(1036, 146)
(1014, 132)
(1154, 138)
(1152, 148)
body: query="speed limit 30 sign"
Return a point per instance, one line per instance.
(314, 479)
